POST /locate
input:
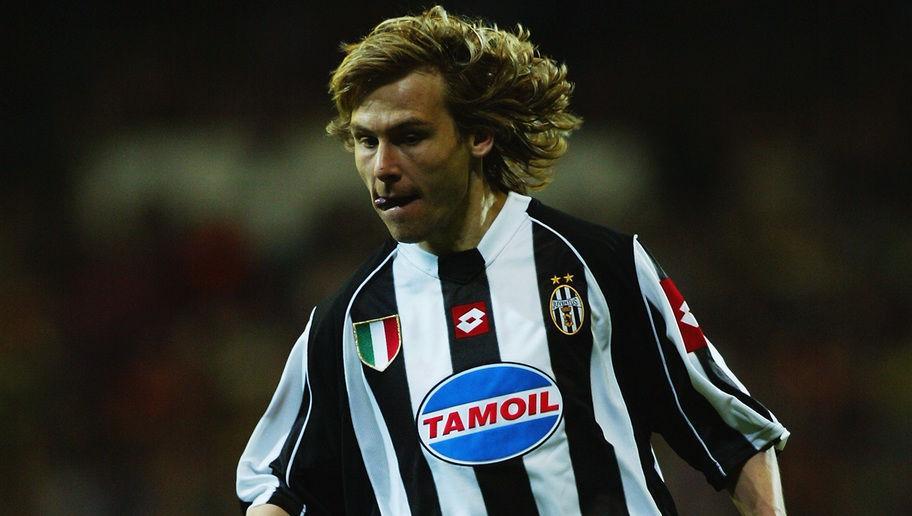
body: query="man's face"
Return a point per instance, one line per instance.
(415, 164)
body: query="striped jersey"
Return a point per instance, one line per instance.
(525, 376)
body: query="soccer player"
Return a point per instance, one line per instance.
(496, 356)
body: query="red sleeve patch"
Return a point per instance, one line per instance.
(687, 323)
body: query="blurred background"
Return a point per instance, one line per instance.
(171, 210)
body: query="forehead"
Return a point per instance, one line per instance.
(416, 97)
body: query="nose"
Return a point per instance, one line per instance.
(386, 162)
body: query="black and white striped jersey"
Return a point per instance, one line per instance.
(525, 376)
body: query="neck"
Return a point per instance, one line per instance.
(483, 206)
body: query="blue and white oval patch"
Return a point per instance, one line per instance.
(489, 414)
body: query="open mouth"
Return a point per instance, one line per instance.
(386, 203)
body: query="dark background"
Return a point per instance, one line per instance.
(171, 210)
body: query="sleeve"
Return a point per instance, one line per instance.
(704, 412)
(290, 443)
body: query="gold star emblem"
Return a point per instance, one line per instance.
(555, 280)
(568, 278)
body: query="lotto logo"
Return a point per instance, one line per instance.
(489, 414)
(470, 320)
(687, 323)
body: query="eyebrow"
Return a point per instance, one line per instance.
(408, 123)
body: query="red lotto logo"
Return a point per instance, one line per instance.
(470, 320)
(687, 323)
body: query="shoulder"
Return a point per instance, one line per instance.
(330, 313)
(604, 250)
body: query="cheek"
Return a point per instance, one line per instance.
(452, 178)
(363, 168)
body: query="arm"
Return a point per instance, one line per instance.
(704, 412)
(758, 489)
(266, 510)
(261, 477)
(292, 461)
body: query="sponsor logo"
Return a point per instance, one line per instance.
(378, 341)
(489, 414)
(470, 320)
(566, 305)
(687, 322)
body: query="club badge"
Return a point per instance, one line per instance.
(566, 305)
(378, 341)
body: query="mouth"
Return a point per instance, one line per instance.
(396, 201)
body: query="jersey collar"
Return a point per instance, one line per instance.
(507, 223)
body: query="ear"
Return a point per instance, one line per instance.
(481, 144)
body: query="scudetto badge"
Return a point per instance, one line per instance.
(378, 341)
(489, 414)
(567, 309)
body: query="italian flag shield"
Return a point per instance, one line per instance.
(378, 341)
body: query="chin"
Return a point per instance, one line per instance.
(405, 239)
(406, 235)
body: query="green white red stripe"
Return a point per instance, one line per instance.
(378, 341)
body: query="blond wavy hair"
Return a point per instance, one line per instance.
(496, 83)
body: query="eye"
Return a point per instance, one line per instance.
(412, 138)
(368, 142)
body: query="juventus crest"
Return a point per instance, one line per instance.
(566, 305)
